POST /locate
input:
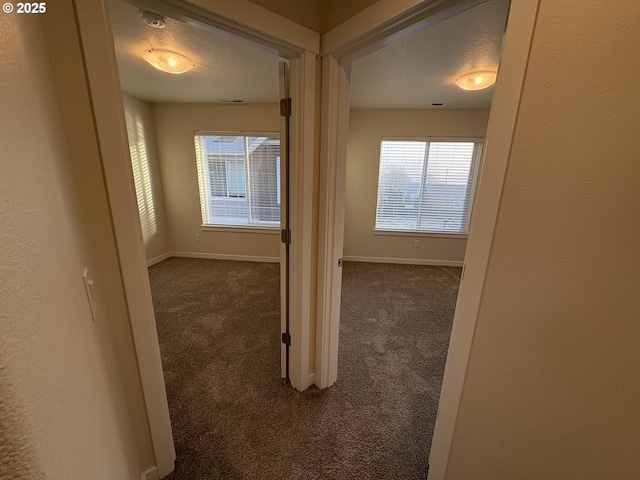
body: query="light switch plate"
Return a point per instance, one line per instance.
(88, 286)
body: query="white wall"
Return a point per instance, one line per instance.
(142, 143)
(552, 388)
(66, 409)
(175, 126)
(366, 129)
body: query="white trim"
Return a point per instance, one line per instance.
(430, 138)
(151, 474)
(301, 208)
(236, 133)
(244, 20)
(239, 229)
(405, 261)
(333, 164)
(500, 129)
(109, 120)
(385, 22)
(158, 259)
(419, 233)
(224, 256)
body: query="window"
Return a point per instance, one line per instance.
(239, 178)
(427, 185)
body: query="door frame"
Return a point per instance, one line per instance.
(249, 23)
(382, 24)
(285, 154)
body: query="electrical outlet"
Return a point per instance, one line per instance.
(416, 244)
(197, 235)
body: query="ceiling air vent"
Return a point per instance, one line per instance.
(226, 100)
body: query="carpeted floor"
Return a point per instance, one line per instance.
(234, 418)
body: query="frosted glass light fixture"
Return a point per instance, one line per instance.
(168, 61)
(477, 80)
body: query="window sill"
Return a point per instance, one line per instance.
(240, 229)
(410, 233)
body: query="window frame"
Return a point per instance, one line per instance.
(471, 187)
(203, 190)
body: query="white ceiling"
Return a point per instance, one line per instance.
(414, 73)
(421, 69)
(225, 68)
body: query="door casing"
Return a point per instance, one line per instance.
(252, 24)
(362, 34)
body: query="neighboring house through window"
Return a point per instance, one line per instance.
(239, 178)
(427, 184)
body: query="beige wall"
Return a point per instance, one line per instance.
(319, 15)
(552, 388)
(67, 407)
(142, 143)
(175, 125)
(366, 128)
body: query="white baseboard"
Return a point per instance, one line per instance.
(223, 256)
(158, 259)
(405, 261)
(151, 474)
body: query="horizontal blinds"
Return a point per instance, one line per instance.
(426, 186)
(141, 176)
(239, 179)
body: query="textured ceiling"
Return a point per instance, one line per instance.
(412, 73)
(421, 69)
(225, 68)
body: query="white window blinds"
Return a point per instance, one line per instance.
(141, 175)
(239, 178)
(426, 185)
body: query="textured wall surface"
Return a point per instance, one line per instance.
(142, 144)
(61, 403)
(552, 388)
(366, 129)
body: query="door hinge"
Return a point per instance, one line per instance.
(339, 262)
(285, 236)
(286, 338)
(285, 107)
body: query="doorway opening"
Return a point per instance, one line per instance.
(210, 169)
(338, 50)
(413, 153)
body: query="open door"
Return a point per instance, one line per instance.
(335, 130)
(285, 113)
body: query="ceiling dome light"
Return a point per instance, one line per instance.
(168, 61)
(477, 80)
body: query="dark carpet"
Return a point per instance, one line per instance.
(234, 418)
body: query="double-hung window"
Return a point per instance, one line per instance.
(427, 184)
(239, 178)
